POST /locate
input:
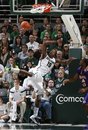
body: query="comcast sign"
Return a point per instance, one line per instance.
(61, 99)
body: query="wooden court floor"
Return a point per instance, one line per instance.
(27, 126)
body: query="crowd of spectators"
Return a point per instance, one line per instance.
(22, 49)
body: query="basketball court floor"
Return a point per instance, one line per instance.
(27, 126)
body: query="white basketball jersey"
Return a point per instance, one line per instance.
(45, 65)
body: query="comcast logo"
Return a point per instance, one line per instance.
(60, 99)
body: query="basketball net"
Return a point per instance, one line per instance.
(44, 8)
(41, 8)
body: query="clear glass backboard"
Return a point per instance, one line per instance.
(58, 6)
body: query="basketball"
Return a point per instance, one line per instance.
(25, 25)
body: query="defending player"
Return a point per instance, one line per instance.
(82, 74)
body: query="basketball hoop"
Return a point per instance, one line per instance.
(41, 8)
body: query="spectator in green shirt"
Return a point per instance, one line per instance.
(14, 33)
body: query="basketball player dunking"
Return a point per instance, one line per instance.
(36, 74)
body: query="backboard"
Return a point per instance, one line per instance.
(58, 6)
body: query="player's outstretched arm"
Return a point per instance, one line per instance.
(65, 61)
(26, 72)
(17, 70)
(72, 79)
(44, 47)
(83, 90)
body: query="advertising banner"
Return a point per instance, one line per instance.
(68, 107)
(67, 103)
